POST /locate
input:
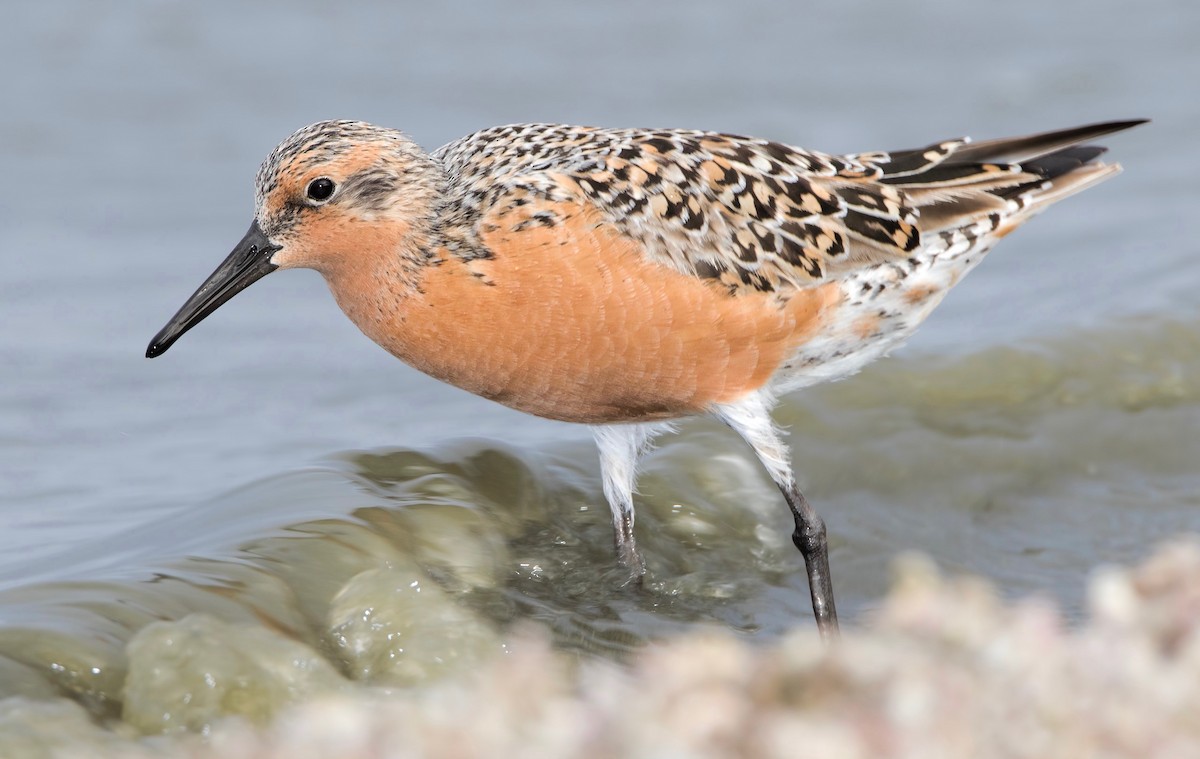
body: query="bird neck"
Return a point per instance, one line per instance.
(382, 282)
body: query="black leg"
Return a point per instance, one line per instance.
(750, 417)
(809, 537)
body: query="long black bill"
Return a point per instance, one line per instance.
(249, 262)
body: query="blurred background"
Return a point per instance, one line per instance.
(1043, 421)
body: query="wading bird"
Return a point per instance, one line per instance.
(624, 278)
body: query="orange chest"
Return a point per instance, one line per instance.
(591, 333)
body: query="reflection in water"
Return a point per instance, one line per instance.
(399, 567)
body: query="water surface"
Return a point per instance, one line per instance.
(278, 471)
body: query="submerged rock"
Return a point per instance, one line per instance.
(396, 627)
(185, 675)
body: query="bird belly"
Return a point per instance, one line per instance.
(595, 334)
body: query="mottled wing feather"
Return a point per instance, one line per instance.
(751, 213)
(956, 184)
(748, 213)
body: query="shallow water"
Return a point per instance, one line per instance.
(278, 471)
(402, 566)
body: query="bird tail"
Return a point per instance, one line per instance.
(957, 183)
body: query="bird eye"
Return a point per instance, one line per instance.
(320, 189)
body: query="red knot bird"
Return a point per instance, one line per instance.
(625, 278)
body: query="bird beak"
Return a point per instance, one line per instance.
(249, 262)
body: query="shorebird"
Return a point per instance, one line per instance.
(625, 278)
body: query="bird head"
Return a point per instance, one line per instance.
(326, 198)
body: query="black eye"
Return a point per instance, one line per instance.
(320, 189)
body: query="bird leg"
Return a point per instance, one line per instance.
(620, 446)
(750, 417)
(627, 550)
(809, 537)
